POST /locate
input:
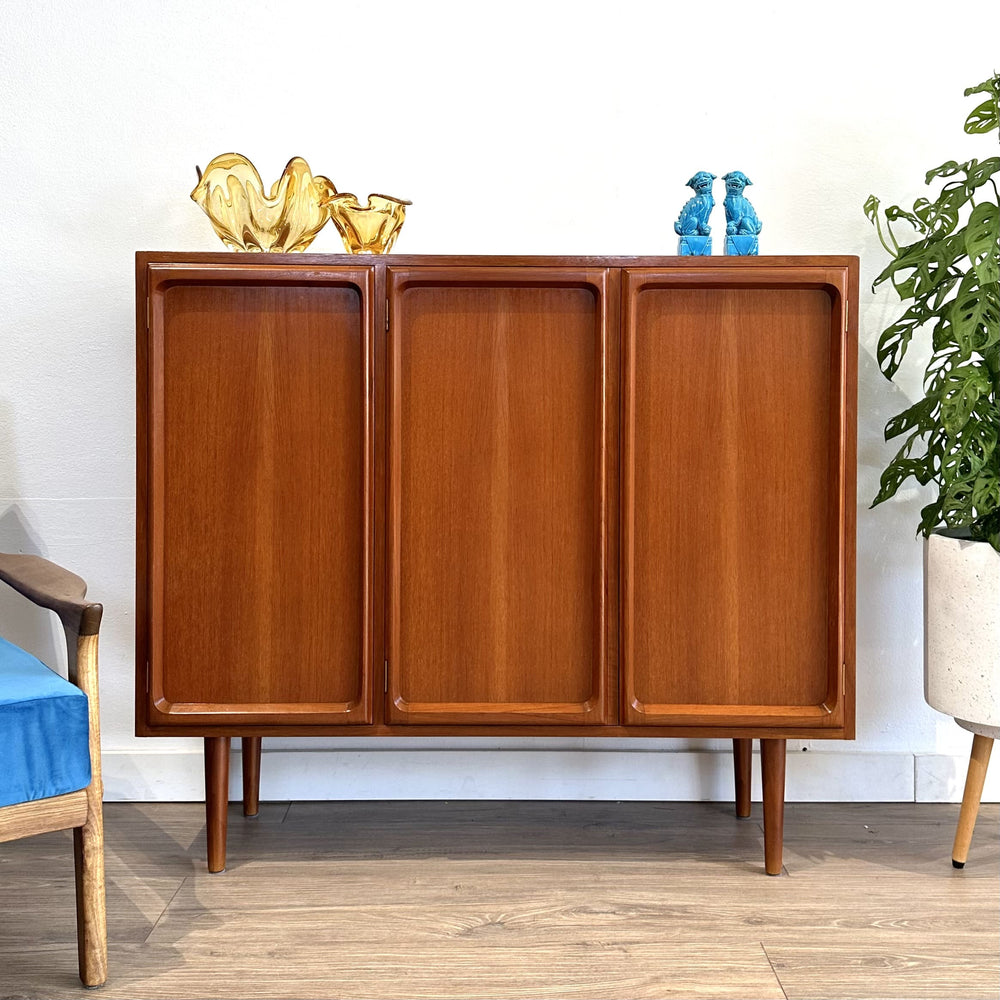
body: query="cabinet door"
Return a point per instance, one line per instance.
(259, 416)
(497, 511)
(738, 497)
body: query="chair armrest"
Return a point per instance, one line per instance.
(52, 587)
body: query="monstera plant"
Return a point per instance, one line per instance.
(948, 280)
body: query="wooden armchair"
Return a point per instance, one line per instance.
(51, 745)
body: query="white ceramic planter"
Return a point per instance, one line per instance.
(962, 631)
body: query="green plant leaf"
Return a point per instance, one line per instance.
(987, 529)
(979, 174)
(897, 472)
(947, 169)
(991, 355)
(943, 337)
(952, 199)
(989, 86)
(986, 489)
(919, 416)
(983, 118)
(944, 359)
(930, 517)
(872, 214)
(966, 455)
(925, 255)
(942, 218)
(961, 392)
(894, 212)
(903, 466)
(941, 293)
(991, 317)
(922, 267)
(956, 505)
(895, 339)
(982, 242)
(958, 192)
(975, 314)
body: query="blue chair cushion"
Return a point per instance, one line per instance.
(44, 729)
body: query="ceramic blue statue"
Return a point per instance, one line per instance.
(742, 224)
(692, 225)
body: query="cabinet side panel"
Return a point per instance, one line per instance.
(730, 554)
(263, 528)
(498, 449)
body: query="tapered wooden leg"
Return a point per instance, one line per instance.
(742, 758)
(216, 799)
(974, 779)
(251, 775)
(88, 843)
(772, 761)
(91, 922)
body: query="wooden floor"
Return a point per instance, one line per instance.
(521, 900)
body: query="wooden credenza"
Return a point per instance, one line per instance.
(495, 495)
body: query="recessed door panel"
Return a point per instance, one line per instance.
(260, 441)
(732, 500)
(497, 543)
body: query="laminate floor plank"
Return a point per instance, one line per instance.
(587, 971)
(901, 838)
(931, 968)
(516, 900)
(47, 908)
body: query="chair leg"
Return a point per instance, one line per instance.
(742, 759)
(251, 775)
(216, 799)
(772, 759)
(88, 840)
(91, 920)
(974, 780)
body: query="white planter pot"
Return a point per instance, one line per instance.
(962, 631)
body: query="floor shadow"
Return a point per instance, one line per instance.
(540, 830)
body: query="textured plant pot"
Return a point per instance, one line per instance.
(962, 631)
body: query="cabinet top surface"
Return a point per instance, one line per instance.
(147, 257)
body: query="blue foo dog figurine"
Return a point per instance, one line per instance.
(742, 224)
(692, 225)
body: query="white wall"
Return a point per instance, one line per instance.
(515, 127)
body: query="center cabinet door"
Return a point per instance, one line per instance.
(500, 431)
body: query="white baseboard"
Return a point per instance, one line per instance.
(640, 775)
(941, 778)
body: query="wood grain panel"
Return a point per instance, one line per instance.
(261, 464)
(732, 574)
(60, 812)
(497, 484)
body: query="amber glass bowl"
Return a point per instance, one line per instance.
(370, 228)
(232, 195)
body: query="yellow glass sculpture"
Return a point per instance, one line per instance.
(370, 228)
(232, 195)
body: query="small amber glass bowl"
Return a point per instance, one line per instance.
(371, 228)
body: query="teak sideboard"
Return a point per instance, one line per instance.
(528, 496)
